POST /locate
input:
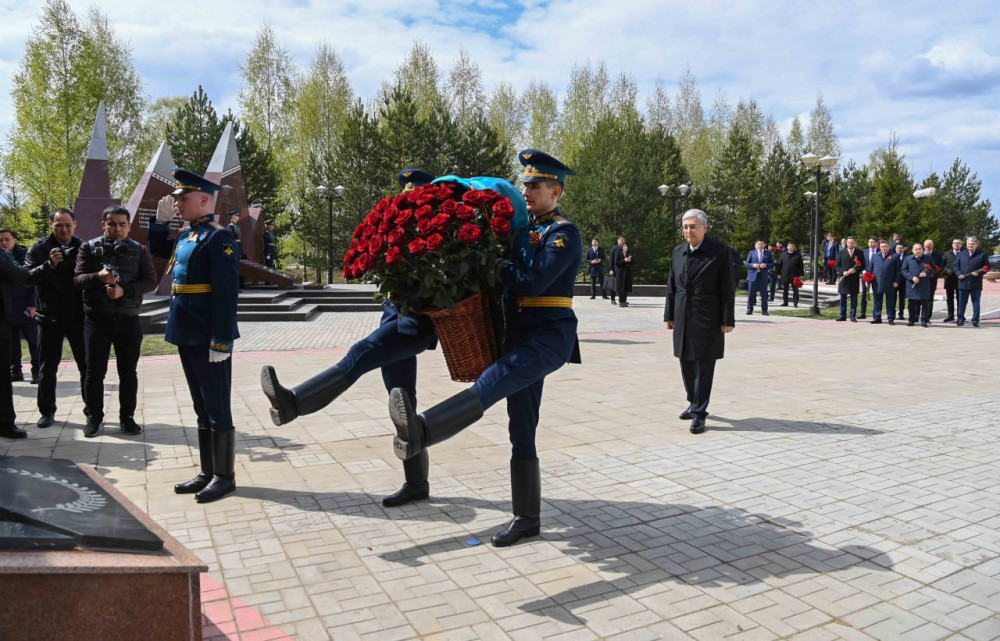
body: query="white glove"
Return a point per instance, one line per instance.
(217, 357)
(165, 210)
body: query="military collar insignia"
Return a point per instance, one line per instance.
(201, 221)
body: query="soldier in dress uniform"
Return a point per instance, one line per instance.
(393, 347)
(270, 249)
(541, 339)
(204, 266)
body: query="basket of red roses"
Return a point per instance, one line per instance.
(432, 251)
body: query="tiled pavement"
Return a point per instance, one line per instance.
(847, 488)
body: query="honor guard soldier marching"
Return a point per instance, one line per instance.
(393, 347)
(541, 338)
(204, 266)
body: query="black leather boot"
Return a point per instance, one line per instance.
(223, 461)
(526, 496)
(198, 483)
(416, 432)
(305, 398)
(416, 487)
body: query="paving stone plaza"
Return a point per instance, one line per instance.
(848, 487)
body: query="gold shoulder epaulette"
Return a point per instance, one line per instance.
(216, 226)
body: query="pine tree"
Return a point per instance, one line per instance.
(890, 206)
(193, 132)
(796, 140)
(418, 75)
(734, 197)
(963, 212)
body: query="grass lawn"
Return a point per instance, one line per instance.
(152, 345)
(825, 313)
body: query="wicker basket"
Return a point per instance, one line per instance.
(467, 337)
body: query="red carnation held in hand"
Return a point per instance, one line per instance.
(470, 234)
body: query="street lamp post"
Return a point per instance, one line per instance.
(817, 166)
(324, 193)
(683, 189)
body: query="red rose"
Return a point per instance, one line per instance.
(396, 236)
(440, 222)
(368, 231)
(435, 242)
(426, 198)
(470, 233)
(376, 245)
(392, 255)
(465, 213)
(403, 216)
(373, 218)
(500, 226)
(449, 206)
(384, 226)
(445, 190)
(424, 211)
(504, 208)
(402, 201)
(425, 226)
(417, 246)
(492, 195)
(382, 204)
(474, 197)
(363, 264)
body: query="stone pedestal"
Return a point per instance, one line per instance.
(91, 595)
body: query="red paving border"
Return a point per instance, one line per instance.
(227, 619)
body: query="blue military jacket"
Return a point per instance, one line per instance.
(205, 270)
(544, 286)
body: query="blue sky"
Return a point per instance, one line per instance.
(927, 71)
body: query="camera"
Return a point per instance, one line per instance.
(110, 253)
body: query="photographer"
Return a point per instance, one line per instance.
(60, 307)
(113, 272)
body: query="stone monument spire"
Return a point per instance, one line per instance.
(95, 185)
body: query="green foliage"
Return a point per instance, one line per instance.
(193, 132)
(738, 218)
(963, 212)
(890, 206)
(66, 70)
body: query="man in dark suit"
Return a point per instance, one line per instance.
(776, 253)
(950, 279)
(936, 261)
(612, 258)
(830, 252)
(900, 255)
(789, 267)
(886, 284)
(700, 311)
(759, 263)
(970, 267)
(849, 267)
(12, 276)
(869, 254)
(897, 240)
(917, 273)
(595, 266)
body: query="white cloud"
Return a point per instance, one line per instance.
(932, 75)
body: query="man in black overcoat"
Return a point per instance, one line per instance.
(612, 258)
(789, 267)
(850, 264)
(699, 309)
(950, 278)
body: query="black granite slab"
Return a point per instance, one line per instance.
(56, 496)
(22, 535)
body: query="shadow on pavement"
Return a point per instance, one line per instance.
(650, 543)
(761, 424)
(437, 509)
(257, 448)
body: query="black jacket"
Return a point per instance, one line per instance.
(623, 272)
(12, 276)
(57, 296)
(701, 297)
(790, 264)
(135, 275)
(21, 297)
(593, 254)
(613, 258)
(948, 269)
(851, 283)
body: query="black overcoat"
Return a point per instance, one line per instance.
(847, 260)
(701, 297)
(623, 273)
(912, 267)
